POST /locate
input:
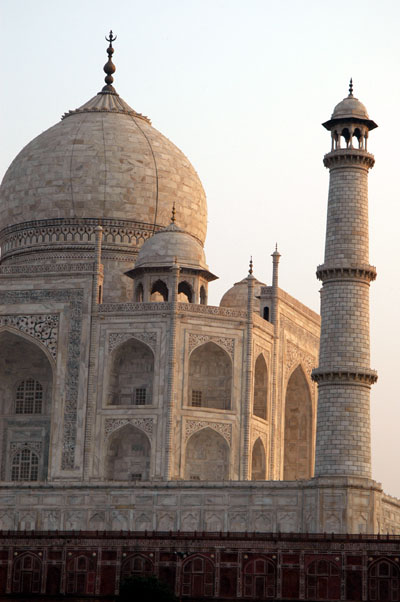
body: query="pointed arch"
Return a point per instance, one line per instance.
(185, 292)
(159, 291)
(26, 391)
(383, 580)
(128, 455)
(207, 456)
(27, 571)
(260, 579)
(136, 564)
(298, 428)
(131, 374)
(30, 339)
(260, 387)
(210, 377)
(258, 461)
(198, 577)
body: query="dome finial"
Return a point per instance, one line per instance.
(251, 265)
(109, 67)
(173, 213)
(351, 87)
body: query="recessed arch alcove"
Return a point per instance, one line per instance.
(207, 456)
(210, 377)
(159, 292)
(185, 292)
(260, 388)
(128, 455)
(131, 374)
(26, 389)
(298, 428)
(258, 461)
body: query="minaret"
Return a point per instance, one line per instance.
(344, 376)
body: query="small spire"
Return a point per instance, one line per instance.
(351, 88)
(251, 265)
(109, 67)
(173, 214)
(276, 252)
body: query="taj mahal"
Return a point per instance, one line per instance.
(127, 402)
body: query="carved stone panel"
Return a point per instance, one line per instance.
(199, 339)
(192, 426)
(112, 424)
(43, 327)
(116, 338)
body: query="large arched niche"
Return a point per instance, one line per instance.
(131, 374)
(210, 377)
(260, 388)
(128, 455)
(258, 461)
(207, 457)
(298, 428)
(26, 389)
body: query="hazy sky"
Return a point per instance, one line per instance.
(242, 88)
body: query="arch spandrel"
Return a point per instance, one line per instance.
(128, 455)
(207, 456)
(210, 377)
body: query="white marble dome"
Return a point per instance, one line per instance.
(350, 107)
(170, 244)
(103, 160)
(236, 296)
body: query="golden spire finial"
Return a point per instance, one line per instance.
(351, 87)
(109, 67)
(251, 265)
(173, 213)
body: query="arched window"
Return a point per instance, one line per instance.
(81, 575)
(210, 378)
(136, 565)
(185, 292)
(384, 581)
(258, 461)
(323, 580)
(259, 579)
(198, 577)
(26, 575)
(266, 313)
(29, 397)
(159, 292)
(25, 466)
(207, 457)
(260, 388)
(298, 428)
(139, 293)
(203, 296)
(132, 373)
(128, 455)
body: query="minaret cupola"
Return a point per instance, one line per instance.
(349, 124)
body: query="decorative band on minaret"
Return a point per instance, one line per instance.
(344, 377)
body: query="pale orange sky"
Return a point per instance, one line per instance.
(242, 89)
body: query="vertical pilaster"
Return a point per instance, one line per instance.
(170, 401)
(249, 377)
(274, 468)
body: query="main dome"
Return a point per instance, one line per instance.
(103, 161)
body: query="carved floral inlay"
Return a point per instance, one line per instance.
(32, 445)
(295, 355)
(116, 338)
(199, 339)
(112, 424)
(192, 426)
(43, 327)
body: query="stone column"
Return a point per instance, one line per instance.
(249, 377)
(274, 457)
(170, 405)
(344, 377)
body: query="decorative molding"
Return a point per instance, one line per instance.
(200, 339)
(365, 273)
(112, 424)
(212, 310)
(43, 327)
(256, 433)
(223, 428)
(258, 350)
(355, 157)
(74, 297)
(110, 308)
(37, 268)
(116, 338)
(362, 376)
(35, 446)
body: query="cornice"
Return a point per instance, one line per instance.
(366, 273)
(339, 375)
(349, 157)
